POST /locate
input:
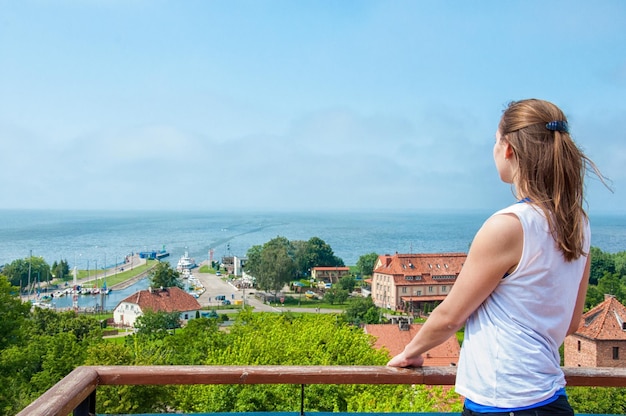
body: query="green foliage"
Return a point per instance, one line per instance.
(49, 322)
(157, 324)
(163, 275)
(336, 295)
(50, 346)
(314, 253)
(611, 284)
(347, 283)
(279, 260)
(130, 399)
(61, 270)
(607, 276)
(12, 314)
(18, 272)
(270, 339)
(366, 263)
(601, 263)
(362, 311)
(272, 264)
(597, 400)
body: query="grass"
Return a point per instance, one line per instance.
(112, 278)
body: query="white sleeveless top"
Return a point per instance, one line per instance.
(510, 353)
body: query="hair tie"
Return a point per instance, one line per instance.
(558, 126)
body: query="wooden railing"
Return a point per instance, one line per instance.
(77, 391)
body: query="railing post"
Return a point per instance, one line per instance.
(87, 407)
(301, 399)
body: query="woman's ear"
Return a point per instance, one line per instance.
(508, 151)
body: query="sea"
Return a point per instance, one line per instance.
(99, 239)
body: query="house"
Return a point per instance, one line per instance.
(600, 340)
(329, 274)
(414, 283)
(395, 336)
(171, 299)
(239, 263)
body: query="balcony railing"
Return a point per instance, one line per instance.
(77, 391)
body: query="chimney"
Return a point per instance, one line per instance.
(403, 324)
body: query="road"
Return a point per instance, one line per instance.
(216, 285)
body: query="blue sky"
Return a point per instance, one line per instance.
(295, 105)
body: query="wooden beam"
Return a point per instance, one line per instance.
(70, 392)
(66, 395)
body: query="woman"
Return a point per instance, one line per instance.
(522, 288)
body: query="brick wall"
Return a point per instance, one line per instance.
(593, 353)
(586, 357)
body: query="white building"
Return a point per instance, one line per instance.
(171, 299)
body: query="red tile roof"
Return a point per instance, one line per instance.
(428, 267)
(605, 321)
(394, 340)
(342, 268)
(171, 299)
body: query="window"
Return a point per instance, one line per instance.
(444, 289)
(430, 289)
(419, 293)
(616, 353)
(404, 289)
(579, 346)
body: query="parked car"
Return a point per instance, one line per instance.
(225, 302)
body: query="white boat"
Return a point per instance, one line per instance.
(185, 262)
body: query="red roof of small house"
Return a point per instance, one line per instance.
(391, 337)
(171, 299)
(342, 268)
(606, 321)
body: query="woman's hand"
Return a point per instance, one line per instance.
(401, 360)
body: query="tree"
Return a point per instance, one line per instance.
(314, 253)
(277, 265)
(26, 273)
(366, 263)
(253, 265)
(347, 283)
(13, 313)
(156, 324)
(61, 270)
(594, 297)
(597, 400)
(272, 264)
(362, 310)
(284, 339)
(611, 284)
(335, 294)
(620, 263)
(164, 276)
(601, 263)
(49, 322)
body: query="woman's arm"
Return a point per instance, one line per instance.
(580, 300)
(496, 250)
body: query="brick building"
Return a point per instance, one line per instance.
(600, 340)
(414, 283)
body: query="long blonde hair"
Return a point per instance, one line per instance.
(551, 169)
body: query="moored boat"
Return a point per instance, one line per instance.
(185, 262)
